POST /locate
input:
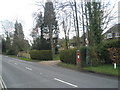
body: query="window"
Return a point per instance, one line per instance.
(117, 34)
(109, 35)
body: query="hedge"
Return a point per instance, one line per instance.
(23, 54)
(86, 54)
(41, 54)
(68, 56)
(103, 52)
(95, 55)
(83, 55)
(114, 55)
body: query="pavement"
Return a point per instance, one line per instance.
(24, 74)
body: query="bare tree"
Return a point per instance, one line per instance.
(8, 27)
(67, 27)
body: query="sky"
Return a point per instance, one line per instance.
(21, 10)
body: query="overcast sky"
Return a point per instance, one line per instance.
(22, 11)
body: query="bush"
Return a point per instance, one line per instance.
(111, 43)
(88, 56)
(93, 56)
(102, 51)
(114, 55)
(68, 56)
(12, 51)
(41, 54)
(83, 55)
(23, 54)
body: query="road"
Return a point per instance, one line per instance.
(23, 74)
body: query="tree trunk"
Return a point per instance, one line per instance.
(78, 41)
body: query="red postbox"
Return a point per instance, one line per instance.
(78, 56)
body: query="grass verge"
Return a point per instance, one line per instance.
(104, 69)
(56, 57)
(25, 59)
(70, 66)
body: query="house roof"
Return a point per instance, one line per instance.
(115, 28)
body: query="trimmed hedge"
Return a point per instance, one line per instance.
(41, 54)
(68, 56)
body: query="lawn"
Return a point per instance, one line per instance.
(105, 69)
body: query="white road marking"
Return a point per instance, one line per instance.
(28, 68)
(2, 83)
(65, 82)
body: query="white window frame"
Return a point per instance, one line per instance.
(109, 35)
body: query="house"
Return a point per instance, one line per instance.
(113, 32)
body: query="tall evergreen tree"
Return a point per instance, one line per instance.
(47, 25)
(51, 24)
(95, 22)
(40, 41)
(18, 40)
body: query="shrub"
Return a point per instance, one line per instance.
(83, 55)
(102, 51)
(23, 54)
(88, 56)
(41, 54)
(111, 43)
(68, 56)
(12, 51)
(114, 55)
(93, 56)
